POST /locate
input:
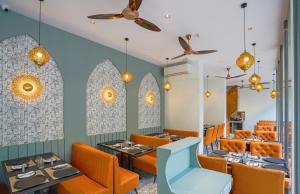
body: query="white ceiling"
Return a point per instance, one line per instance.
(218, 23)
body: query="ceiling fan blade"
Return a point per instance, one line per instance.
(265, 82)
(237, 76)
(221, 77)
(204, 52)
(146, 24)
(184, 44)
(135, 4)
(106, 16)
(178, 56)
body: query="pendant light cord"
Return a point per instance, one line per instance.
(244, 28)
(126, 39)
(254, 52)
(40, 18)
(206, 82)
(167, 67)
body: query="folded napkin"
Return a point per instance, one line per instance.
(60, 166)
(18, 167)
(251, 163)
(26, 175)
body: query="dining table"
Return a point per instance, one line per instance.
(127, 148)
(33, 174)
(166, 135)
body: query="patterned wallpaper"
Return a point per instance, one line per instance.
(105, 116)
(149, 109)
(27, 121)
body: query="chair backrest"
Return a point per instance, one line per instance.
(215, 133)
(264, 128)
(183, 133)
(227, 128)
(267, 135)
(208, 136)
(213, 163)
(95, 164)
(252, 180)
(221, 130)
(242, 134)
(233, 145)
(271, 149)
(149, 140)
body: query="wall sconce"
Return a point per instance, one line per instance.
(108, 94)
(26, 87)
(150, 98)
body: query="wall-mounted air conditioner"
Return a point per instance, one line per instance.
(178, 70)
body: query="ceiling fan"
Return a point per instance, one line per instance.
(229, 76)
(130, 13)
(188, 49)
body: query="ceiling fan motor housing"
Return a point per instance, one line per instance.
(129, 14)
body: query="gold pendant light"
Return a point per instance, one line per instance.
(273, 93)
(259, 87)
(245, 60)
(126, 76)
(207, 92)
(254, 78)
(167, 84)
(38, 54)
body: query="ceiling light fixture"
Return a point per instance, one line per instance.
(273, 93)
(245, 60)
(254, 78)
(167, 16)
(38, 54)
(126, 76)
(167, 84)
(207, 92)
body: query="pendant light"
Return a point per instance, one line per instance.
(245, 60)
(273, 93)
(38, 54)
(259, 87)
(167, 84)
(207, 92)
(126, 76)
(254, 78)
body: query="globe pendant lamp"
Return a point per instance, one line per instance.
(273, 93)
(126, 76)
(259, 87)
(245, 60)
(167, 84)
(38, 54)
(254, 78)
(207, 92)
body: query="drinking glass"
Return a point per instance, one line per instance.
(40, 162)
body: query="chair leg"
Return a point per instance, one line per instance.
(136, 191)
(154, 179)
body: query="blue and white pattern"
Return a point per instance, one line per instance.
(149, 116)
(102, 117)
(22, 121)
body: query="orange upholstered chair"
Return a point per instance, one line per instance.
(252, 180)
(242, 134)
(124, 180)
(182, 133)
(148, 162)
(97, 168)
(266, 135)
(3, 189)
(208, 138)
(213, 163)
(264, 128)
(214, 136)
(227, 128)
(271, 149)
(233, 145)
(220, 130)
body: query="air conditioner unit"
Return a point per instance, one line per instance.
(177, 70)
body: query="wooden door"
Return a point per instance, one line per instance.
(232, 100)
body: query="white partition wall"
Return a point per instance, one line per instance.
(184, 103)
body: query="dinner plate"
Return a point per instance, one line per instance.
(30, 182)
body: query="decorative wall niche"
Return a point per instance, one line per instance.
(106, 100)
(149, 103)
(31, 98)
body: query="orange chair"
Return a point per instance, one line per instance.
(214, 136)
(271, 149)
(182, 133)
(208, 138)
(148, 162)
(252, 180)
(233, 145)
(264, 128)
(242, 134)
(220, 131)
(213, 163)
(97, 168)
(267, 135)
(227, 128)
(124, 180)
(3, 189)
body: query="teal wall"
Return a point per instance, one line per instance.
(76, 58)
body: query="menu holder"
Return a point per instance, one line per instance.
(21, 184)
(9, 168)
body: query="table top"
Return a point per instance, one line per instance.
(165, 135)
(126, 147)
(47, 171)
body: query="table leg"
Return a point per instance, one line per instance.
(122, 160)
(129, 163)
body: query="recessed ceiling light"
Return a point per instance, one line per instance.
(167, 16)
(92, 21)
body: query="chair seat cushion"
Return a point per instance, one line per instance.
(147, 163)
(129, 179)
(81, 185)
